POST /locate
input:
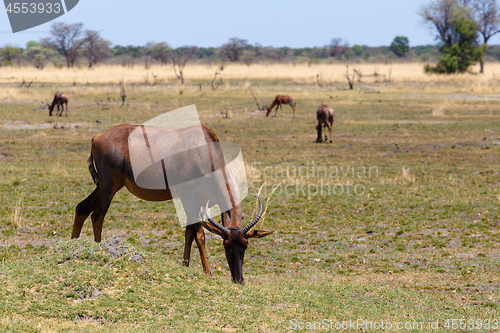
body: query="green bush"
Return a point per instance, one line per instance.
(400, 46)
(463, 52)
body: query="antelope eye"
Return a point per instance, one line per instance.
(226, 243)
(244, 243)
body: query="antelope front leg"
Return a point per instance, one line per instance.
(200, 241)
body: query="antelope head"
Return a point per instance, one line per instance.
(235, 242)
(268, 110)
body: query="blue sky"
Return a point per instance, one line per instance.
(276, 23)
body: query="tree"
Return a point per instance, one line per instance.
(161, 52)
(66, 40)
(457, 32)
(233, 49)
(463, 51)
(95, 49)
(358, 49)
(487, 16)
(131, 51)
(248, 56)
(441, 15)
(9, 53)
(400, 46)
(146, 54)
(337, 48)
(38, 55)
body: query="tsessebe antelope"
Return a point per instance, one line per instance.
(324, 115)
(111, 168)
(279, 101)
(60, 99)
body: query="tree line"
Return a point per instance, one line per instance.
(71, 45)
(462, 28)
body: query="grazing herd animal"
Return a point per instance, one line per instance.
(324, 115)
(111, 169)
(279, 101)
(60, 99)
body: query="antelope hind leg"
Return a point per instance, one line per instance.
(82, 211)
(188, 241)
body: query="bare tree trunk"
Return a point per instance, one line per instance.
(180, 63)
(215, 85)
(319, 80)
(481, 64)
(122, 91)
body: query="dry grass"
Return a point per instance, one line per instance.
(301, 73)
(418, 241)
(17, 216)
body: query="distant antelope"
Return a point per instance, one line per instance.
(324, 115)
(59, 99)
(279, 101)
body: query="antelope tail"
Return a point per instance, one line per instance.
(93, 171)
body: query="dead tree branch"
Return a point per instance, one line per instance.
(214, 84)
(358, 73)
(178, 64)
(122, 91)
(319, 80)
(350, 80)
(257, 101)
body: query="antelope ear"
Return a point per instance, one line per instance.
(212, 229)
(258, 233)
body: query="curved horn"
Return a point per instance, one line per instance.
(255, 220)
(215, 224)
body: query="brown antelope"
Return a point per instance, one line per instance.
(111, 168)
(59, 99)
(324, 115)
(279, 101)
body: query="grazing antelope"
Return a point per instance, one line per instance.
(110, 166)
(279, 101)
(324, 115)
(59, 99)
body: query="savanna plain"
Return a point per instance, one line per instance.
(396, 220)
